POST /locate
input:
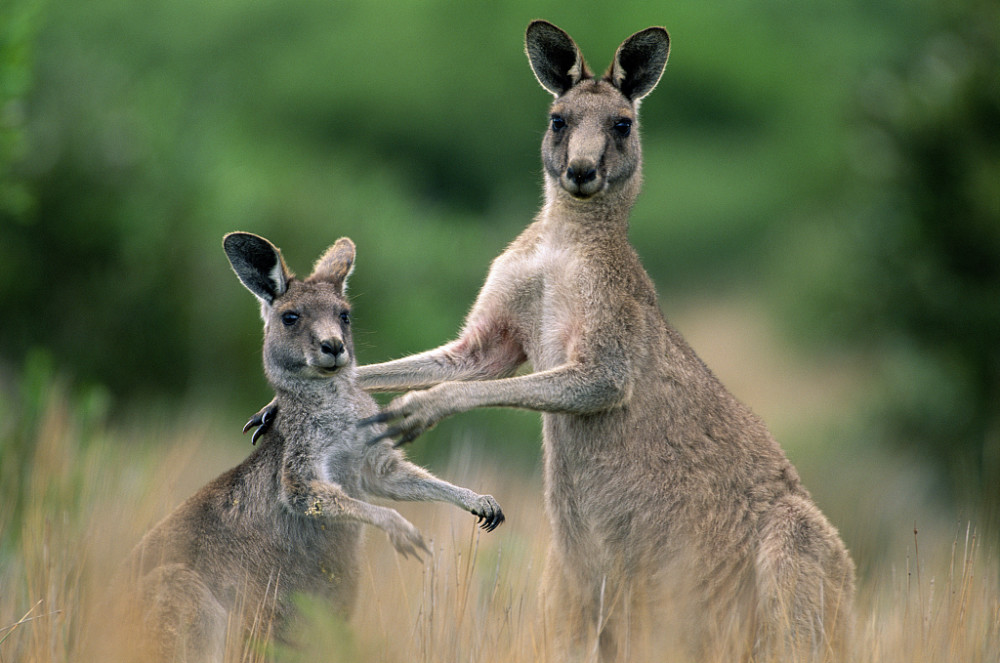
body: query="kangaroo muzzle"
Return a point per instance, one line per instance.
(332, 354)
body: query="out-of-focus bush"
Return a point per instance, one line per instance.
(154, 128)
(911, 273)
(19, 23)
(150, 129)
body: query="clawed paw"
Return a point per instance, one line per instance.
(489, 512)
(407, 541)
(408, 417)
(261, 421)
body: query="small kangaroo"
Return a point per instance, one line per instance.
(288, 519)
(679, 526)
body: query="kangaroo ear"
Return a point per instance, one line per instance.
(554, 57)
(639, 63)
(258, 264)
(335, 265)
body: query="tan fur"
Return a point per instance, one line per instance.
(288, 519)
(680, 529)
(678, 523)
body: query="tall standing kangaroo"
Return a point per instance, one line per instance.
(678, 523)
(288, 519)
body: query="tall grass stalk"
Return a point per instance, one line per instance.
(89, 494)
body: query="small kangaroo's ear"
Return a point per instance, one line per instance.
(639, 63)
(335, 265)
(258, 264)
(554, 57)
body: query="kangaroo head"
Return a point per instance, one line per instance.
(592, 145)
(307, 323)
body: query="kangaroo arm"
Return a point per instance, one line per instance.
(485, 351)
(573, 388)
(319, 499)
(390, 476)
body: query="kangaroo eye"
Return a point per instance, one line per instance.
(289, 318)
(558, 124)
(623, 127)
(345, 317)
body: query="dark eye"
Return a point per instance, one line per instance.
(558, 124)
(289, 318)
(345, 317)
(623, 127)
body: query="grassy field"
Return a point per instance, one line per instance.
(90, 493)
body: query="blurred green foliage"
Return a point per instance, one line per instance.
(19, 22)
(912, 268)
(134, 135)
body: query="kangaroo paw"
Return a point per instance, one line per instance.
(489, 512)
(261, 421)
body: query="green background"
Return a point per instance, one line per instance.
(837, 164)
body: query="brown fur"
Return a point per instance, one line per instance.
(288, 519)
(680, 529)
(678, 523)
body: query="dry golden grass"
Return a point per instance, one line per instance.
(90, 495)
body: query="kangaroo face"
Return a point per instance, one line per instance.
(591, 145)
(308, 332)
(307, 323)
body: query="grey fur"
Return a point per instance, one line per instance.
(288, 519)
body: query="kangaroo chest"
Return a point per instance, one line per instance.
(538, 293)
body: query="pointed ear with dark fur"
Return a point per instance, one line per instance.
(258, 264)
(335, 265)
(639, 63)
(554, 57)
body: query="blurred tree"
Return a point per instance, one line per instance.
(19, 23)
(917, 279)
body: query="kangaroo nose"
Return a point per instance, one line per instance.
(581, 173)
(332, 346)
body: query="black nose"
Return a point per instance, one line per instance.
(581, 173)
(332, 347)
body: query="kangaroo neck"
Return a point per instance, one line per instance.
(607, 213)
(309, 400)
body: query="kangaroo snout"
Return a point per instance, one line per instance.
(332, 353)
(581, 172)
(581, 178)
(332, 346)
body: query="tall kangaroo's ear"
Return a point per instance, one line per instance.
(335, 265)
(554, 57)
(258, 264)
(639, 63)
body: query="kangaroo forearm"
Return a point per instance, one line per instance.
(414, 372)
(419, 486)
(568, 389)
(456, 361)
(318, 499)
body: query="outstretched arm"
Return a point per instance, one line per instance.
(390, 476)
(318, 499)
(486, 350)
(574, 388)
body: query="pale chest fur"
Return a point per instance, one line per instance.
(535, 291)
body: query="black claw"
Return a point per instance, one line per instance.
(379, 418)
(256, 434)
(498, 518)
(405, 439)
(387, 433)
